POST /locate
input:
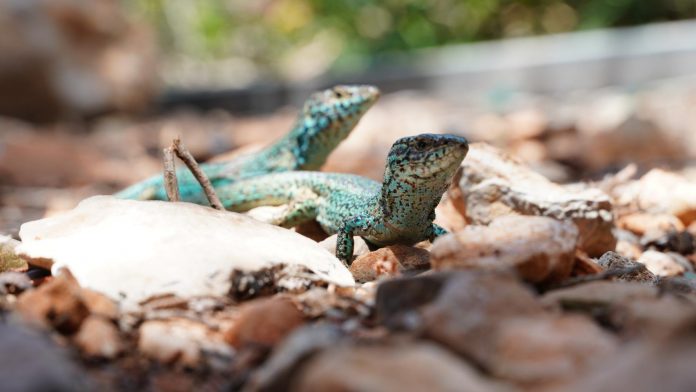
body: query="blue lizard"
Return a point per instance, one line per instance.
(399, 210)
(327, 118)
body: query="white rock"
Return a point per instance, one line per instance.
(132, 250)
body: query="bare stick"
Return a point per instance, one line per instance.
(171, 184)
(191, 163)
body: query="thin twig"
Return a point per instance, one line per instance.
(171, 184)
(191, 163)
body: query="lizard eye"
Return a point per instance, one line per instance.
(421, 145)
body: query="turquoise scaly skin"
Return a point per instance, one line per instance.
(400, 210)
(327, 118)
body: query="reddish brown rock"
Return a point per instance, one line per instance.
(545, 351)
(692, 228)
(100, 305)
(650, 317)
(389, 261)
(531, 152)
(264, 322)
(615, 128)
(290, 355)
(678, 242)
(641, 223)
(415, 367)
(600, 294)
(471, 306)
(493, 184)
(398, 299)
(527, 123)
(661, 192)
(628, 249)
(57, 304)
(447, 215)
(633, 309)
(538, 248)
(644, 367)
(585, 265)
(661, 264)
(626, 269)
(98, 338)
(499, 324)
(58, 159)
(312, 230)
(63, 59)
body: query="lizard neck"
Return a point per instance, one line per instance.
(409, 202)
(309, 143)
(282, 155)
(325, 120)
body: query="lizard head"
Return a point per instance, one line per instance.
(340, 102)
(327, 118)
(427, 158)
(419, 170)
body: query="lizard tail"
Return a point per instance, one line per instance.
(189, 189)
(150, 189)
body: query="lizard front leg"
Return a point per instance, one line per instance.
(302, 207)
(344, 242)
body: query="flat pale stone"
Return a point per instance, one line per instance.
(132, 250)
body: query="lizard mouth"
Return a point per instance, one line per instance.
(434, 166)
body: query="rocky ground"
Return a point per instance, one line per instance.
(570, 265)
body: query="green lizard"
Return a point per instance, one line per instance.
(400, 210)
(327, 118)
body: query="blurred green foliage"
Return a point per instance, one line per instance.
(309, 36)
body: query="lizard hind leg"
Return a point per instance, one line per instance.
(302, 209)
(296, 213)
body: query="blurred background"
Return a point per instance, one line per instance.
(91, 90)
